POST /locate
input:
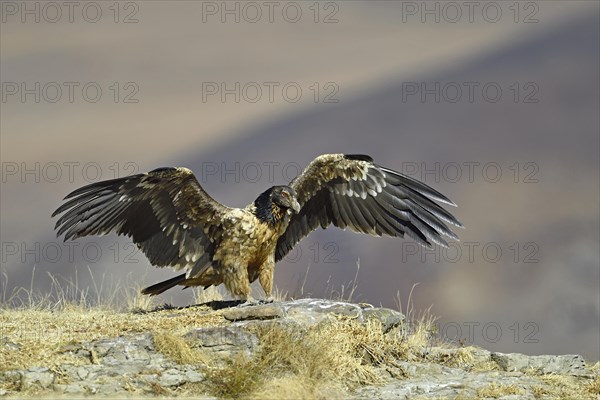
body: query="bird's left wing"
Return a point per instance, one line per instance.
(165, 211)
(352, 191)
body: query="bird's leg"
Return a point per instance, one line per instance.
(236, 281)
(265, 277)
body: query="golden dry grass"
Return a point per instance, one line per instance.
(177, 349)
(494, 391)
(593, 387)
(43, 334)
(567, 387)
(316, 362)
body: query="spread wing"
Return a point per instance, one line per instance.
(352, 191)
(165, 212)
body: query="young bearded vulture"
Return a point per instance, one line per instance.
(177, 224)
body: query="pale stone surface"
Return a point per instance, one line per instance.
(568, 364)
(267, 311)
(225, 340)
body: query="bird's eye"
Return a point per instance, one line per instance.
(285, 195)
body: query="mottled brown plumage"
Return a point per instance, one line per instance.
(176, 223)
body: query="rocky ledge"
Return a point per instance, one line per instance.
(141, 364)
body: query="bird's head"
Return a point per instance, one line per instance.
(285, 197)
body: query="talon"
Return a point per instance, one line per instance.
(249, 302)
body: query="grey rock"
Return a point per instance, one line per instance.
(171, 377)
(406, 389)
(37, 377)
(13, 377)
(511, 361)
(122, 350)
(435, 382)
(389, 318)
(313, 311)
(260, 312)
(148, 378)
(569, 364)
(193, 376)
(8, 345)
(76, 373)
(223, 339)
(108, 388)
(481, 355)
(82, 373)
(71, 388)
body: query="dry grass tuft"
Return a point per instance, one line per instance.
(540, 392)
(241, 376)
(312, 363)
(593, 387)
(567, 387)
(326, 352)
(177, 349)
(315, 360)
(494, 390)
(293, 387)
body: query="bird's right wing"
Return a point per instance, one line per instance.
(166, 213)
(351, 191)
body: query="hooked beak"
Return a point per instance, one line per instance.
(296, 206)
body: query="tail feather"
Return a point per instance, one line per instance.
(160, 287)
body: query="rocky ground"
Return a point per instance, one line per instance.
(155, 363)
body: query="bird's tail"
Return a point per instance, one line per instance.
(160, 287)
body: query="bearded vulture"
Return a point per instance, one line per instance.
(177, 224)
